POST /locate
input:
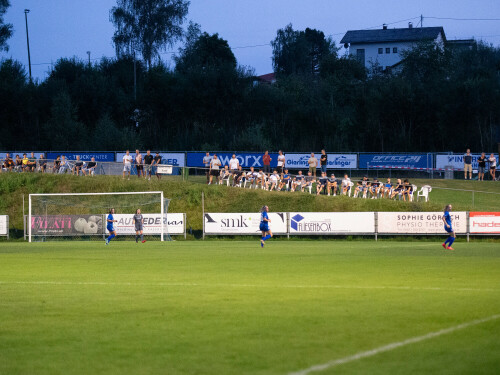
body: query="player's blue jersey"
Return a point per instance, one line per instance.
(286, 176)
(110, 224)
(263, 216)
(447, 217)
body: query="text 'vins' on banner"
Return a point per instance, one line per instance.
(243, 223)
(326, 223)
(484, 222)
(420, 222)
(152, 224)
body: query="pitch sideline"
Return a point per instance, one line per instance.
(392, 346)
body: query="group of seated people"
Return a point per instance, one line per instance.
(328, 185)
(59, 165)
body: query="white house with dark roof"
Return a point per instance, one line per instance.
(383, 47)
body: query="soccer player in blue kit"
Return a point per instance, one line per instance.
(111, 229)
(448, 228)
(264, 225)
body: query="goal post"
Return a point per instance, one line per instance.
(83, 215)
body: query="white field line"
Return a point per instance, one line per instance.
(392, 346)
(285, 286)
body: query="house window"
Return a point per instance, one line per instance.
(395, 50)
(380, 51)
(387, 50)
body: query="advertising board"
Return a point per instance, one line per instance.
(484, 222)
(335, 161)
(247, 160)
(152, 224)
(243, 223)
(171, 158)
(395, 160)
(420, 222)
(66, 225)
(457, 161)
(4, 225)
(325, 223)
(85, 156)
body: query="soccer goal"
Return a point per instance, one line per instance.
(82, 216)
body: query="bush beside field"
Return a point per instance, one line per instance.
(186, 196)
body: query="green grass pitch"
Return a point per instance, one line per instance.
(230, 307)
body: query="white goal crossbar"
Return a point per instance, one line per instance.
(90, 194)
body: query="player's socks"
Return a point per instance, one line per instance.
(142, 237)
(136, 238)
(266, 237)
(452, 239)
(111, 237)
(444, 245)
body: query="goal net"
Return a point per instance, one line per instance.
(82, 216)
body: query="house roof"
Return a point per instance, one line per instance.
(268, 78)
(393, 35)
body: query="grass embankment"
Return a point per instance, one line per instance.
(186, 196)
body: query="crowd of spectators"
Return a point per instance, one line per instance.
(146, 165)
(60, 165)
(280, 179)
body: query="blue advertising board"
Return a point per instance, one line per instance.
(247, 160)
(85, 156)
(395, 160)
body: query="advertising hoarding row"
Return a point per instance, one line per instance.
(484, 222)
(4, 225)
(419, 222)
(77, 225)
(324, 223)
(242, 223)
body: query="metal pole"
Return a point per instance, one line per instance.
(26, 11)
(88, 53)
(135, 80)
(203, 211)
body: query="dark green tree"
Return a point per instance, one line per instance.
(5, 28)
(147, 26)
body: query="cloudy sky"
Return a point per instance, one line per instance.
(67, 28)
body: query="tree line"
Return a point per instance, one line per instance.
(440, 99)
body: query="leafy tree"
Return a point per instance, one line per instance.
(147, 26)
(5, 28)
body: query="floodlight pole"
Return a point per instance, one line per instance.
(26, 11)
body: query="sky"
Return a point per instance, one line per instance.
(68, 28)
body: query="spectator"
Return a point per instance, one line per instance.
(148, 164)
(298, 181)
(224, 175)
(78, 166)
(493, 166)
(127, 164)
(481, 166)
(332, 184)
(233, 164)
(8, 163)
(468, 164)
(266, 160)
(42, 163)
(274, 180)
(25, 162)
(285, 180)
(398, 189)
(32, 163)
(238, 176)
(313, 164)
(214, 168)
(63, 165)
(362, 187)
(322, 184)
(261, 179)
(346, 184)
(57, 165)
(91, 167)
(206, 162)
(309, 181)
(281, 162)
(386, 189)
(138, 164)
(408, 190)
(19, 164)
(375, 188)
(251, 176)
(156, 163)
(323, 160)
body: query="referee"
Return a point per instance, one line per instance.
(139, 226)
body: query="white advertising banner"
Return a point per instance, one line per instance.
(457, 161)
(152, 224)
(4, 225)
(420, 222)
(334, 161)
(484, 222)
(332, 222)
(243, 223)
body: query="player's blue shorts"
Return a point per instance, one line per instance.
(449, 230)
(110, 228)
(264, 227)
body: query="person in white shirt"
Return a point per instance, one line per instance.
(214, 168)
(138, 164)
(233, 164)
(251, 175)
(224, 174)
(273, 181)
(346, 184)
(493, 166)
(127, 164)
(281, 162)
